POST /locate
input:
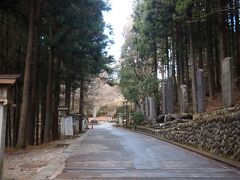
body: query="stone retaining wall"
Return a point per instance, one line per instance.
(217, 132)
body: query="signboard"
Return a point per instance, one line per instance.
(69, 126)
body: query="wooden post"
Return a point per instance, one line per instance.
(2, 135)
(5, 82)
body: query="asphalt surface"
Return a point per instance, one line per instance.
(114, 153)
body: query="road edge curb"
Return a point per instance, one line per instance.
(55, 169)
(223, 160)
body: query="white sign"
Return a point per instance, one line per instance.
(69, 126)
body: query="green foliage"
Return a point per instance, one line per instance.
(120, 109)
(68, 44)
(133, 89)
(80, 41)
(150, 86)
(182, 6)
(137, 117)
(136, 74)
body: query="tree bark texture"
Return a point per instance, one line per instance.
(68, 95)
(26, 89)
(81, 103)
(34, 94)
(49, 106)
(193, 71)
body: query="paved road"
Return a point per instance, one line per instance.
(114, 153)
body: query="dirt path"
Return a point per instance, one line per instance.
(25, 164)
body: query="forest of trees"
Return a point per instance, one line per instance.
(52, 44)
(174, 39)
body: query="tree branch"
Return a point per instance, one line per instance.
(235, 8)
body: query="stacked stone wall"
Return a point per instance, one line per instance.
(217, 132)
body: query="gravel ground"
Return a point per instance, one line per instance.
(25, 164)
